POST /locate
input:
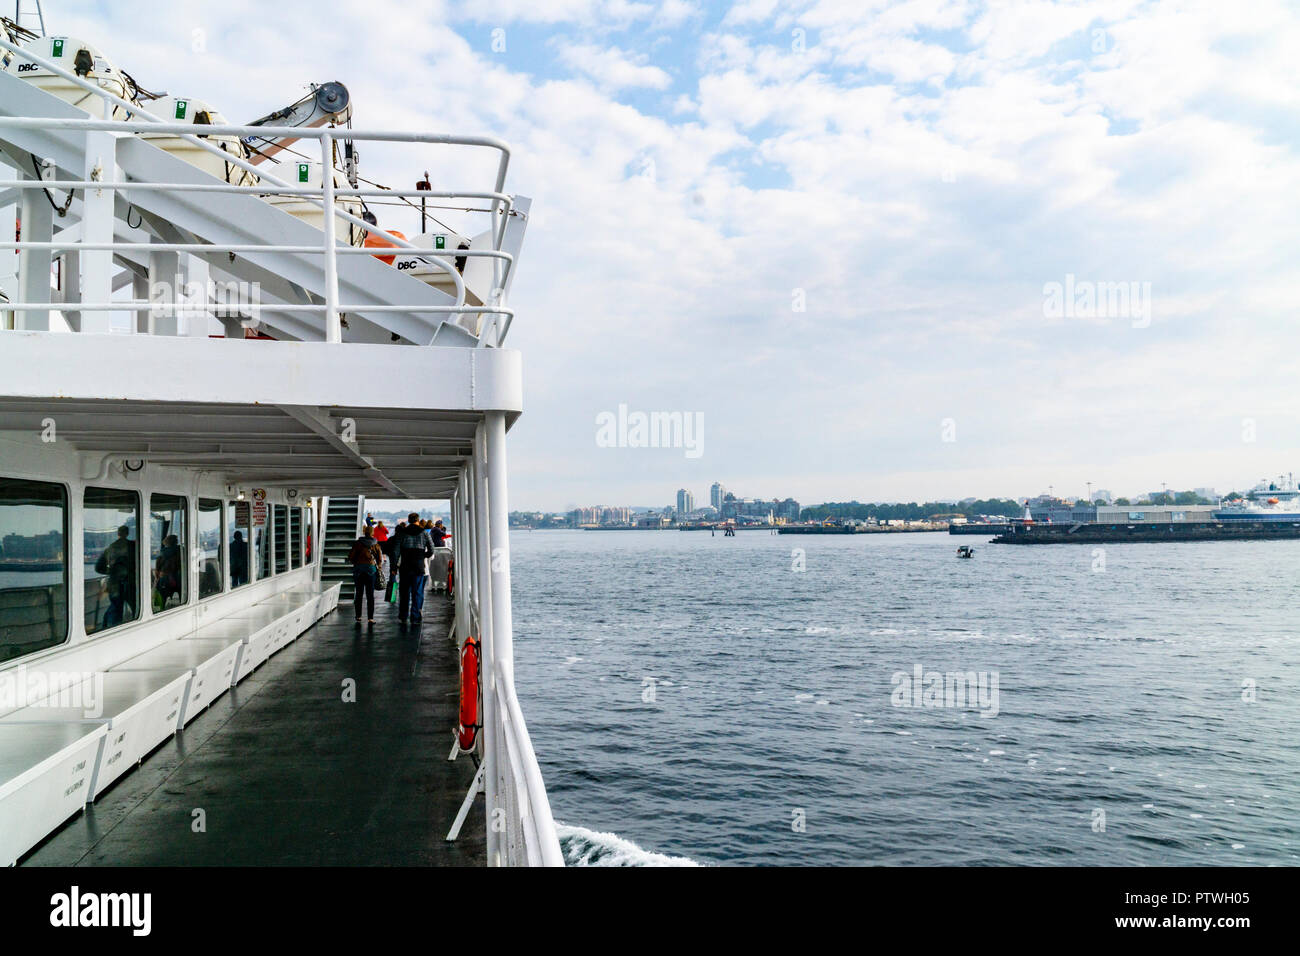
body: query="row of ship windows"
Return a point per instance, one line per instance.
(231, 544)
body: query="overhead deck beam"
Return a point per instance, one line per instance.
(318, 422)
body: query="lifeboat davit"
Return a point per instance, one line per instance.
(178, 109)
(78, 57)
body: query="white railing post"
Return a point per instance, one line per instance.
(534, 798)
(487, 637)
(333, 323)
(34, 264)
(165, 292)
(97, 226)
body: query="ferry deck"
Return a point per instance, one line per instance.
(182, 473)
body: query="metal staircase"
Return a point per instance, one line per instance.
(342, 525)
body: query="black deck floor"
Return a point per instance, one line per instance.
(287, 773)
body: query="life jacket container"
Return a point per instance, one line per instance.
(467, 732)
(374, 241)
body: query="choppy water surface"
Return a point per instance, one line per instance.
(690, 696)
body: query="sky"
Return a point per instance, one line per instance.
(839, 236)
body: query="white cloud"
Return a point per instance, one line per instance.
(612, 69)
(919, 218)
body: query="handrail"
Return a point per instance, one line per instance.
(541, 840)
(149, 123)
(326, 137)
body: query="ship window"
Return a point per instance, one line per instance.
(209, 547)
(168, 541)
(33, 566)
(262, 540)
(295, 537)
(111, 558)
(280, 520)
(237, 520)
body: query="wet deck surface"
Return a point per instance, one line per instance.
(287, 773)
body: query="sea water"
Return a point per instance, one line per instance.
(798, 699)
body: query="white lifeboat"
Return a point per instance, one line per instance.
(79, 57)
(308, 173)
(177, 109)
(444, 245)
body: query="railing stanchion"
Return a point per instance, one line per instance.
(333, 323)
(483, 590)
(542, 840)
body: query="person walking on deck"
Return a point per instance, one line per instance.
(413, 547)
(365, 558)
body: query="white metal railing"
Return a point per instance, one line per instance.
(521, 829)
(327, 195)
(521, 792)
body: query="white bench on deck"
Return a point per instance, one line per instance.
(54, 759)
(45, 772)
(139, 709)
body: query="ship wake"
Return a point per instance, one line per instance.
(583, 847)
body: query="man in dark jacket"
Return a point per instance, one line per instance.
(414, 547)
(238, 560)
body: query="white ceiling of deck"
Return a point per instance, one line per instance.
(413, 453)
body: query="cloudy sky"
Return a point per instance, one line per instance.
(840, 231)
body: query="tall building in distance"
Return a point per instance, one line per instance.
(716, 493)
(685, 501)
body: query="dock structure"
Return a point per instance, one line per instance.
(211, 440)
(1079, 533)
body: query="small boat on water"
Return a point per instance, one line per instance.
(965, 551)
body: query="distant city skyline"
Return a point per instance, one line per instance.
(608, 501)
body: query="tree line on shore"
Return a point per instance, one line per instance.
(911, 511)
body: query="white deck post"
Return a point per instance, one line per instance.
(140, 292)
(34, 264)
(333, 325)
(499, 527)
(464, 584)
(197, 279)
(461, 566)
(164, 280)
(97, 227)
(493, 430)
(487, 635)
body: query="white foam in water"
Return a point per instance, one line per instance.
(583, 847)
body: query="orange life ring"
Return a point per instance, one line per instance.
(469, 680)
(375, 241)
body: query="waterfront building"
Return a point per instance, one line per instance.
(685, 502)
(1155, 514)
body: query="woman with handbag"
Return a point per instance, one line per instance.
(366, 560)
